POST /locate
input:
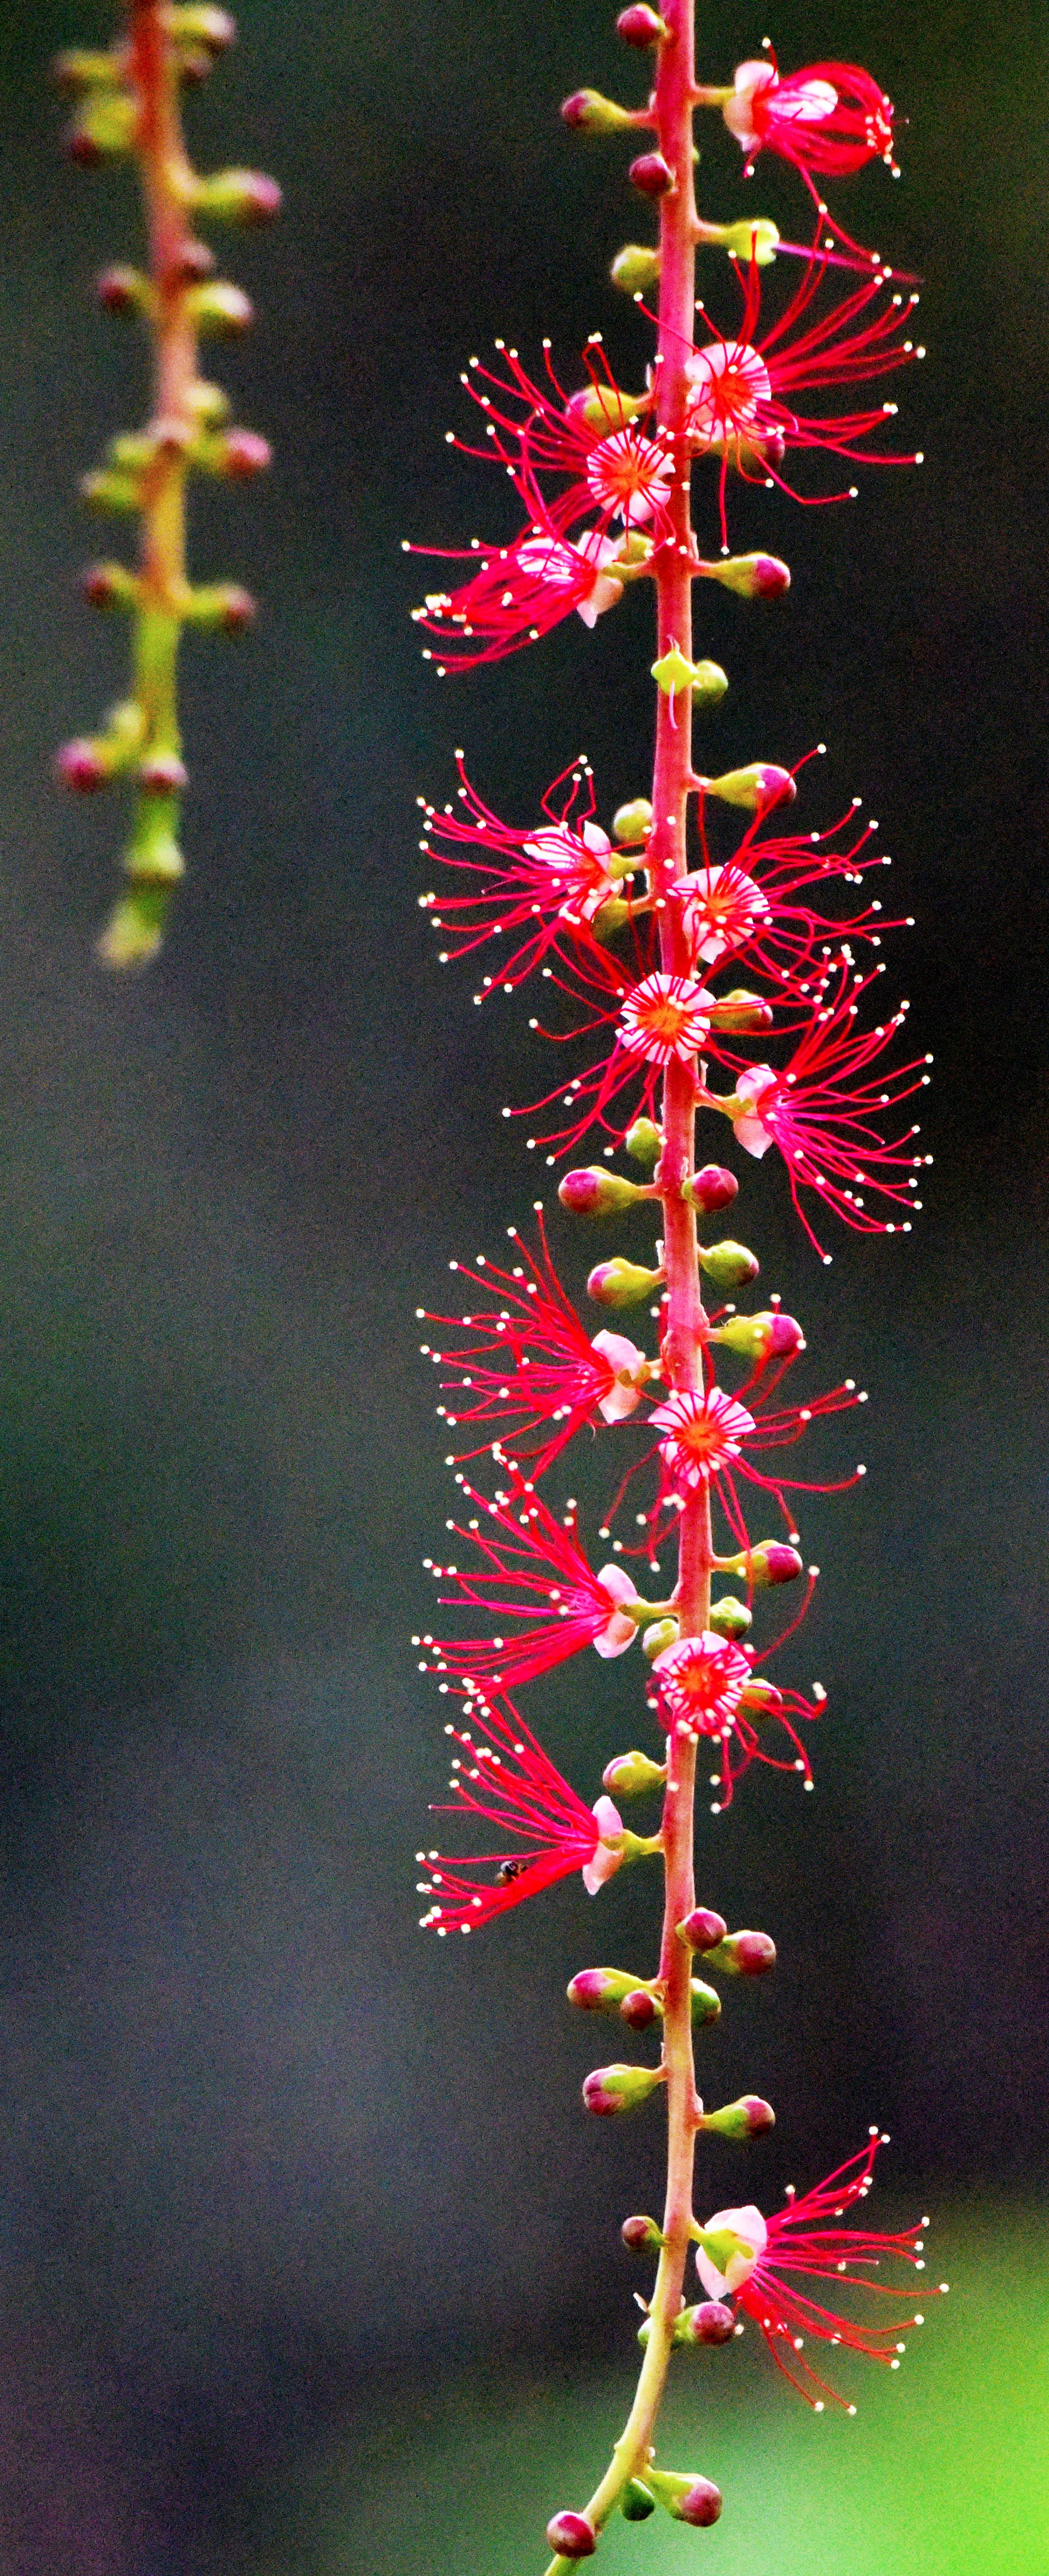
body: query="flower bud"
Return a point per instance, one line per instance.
(641, 2235)
(634, 268)
(740, 1013)
(208, 404)
(105, 491)
(651, 175)
(606, 407)
(773, 1562)
(218, 306)
(744, 1954)
(596, 1192)
(728, 1264)
(621, 1283)
(630, 1773)
(711, 1188)
(748, 2118)
(751, 576)
(239, 454)
(761, 1337)
(700, 2505)
(711, 2322)
(221, 604)
(241, 196)
(600, 1989)
(571, 2535)
(620, 2088)
(637, 2501)
(109, 585)
(639, 2010)
(706, 2004)
(162, 774)
(205, 26)
(673, 672)
(729, 1618)
(757, 788)
(644, 1140)
(702, 1929)
(104, 130)
(641, 27)
(663, 1632)
(632, 822)
(134, 931)
(76, 69)
(760, 1699)
(83, 766)
(753, 237)
(593, 114)
(195, 263)
(124, 290)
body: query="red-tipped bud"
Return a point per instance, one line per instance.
(588, 112)
(740, 1013)
(241, 454)
(702, 1929)
(711, 1188)
(222, 604)
(244, 196)
(728, 1264)
(82, 766)
(109, 585)
(700, 2505)
(773, 1562)
(621, 1283)
(571, 2535)
(761, 1337)
(751, 576)
(162, 774)
(712, 2323)
(641, 2235)
(745, 1954)
(641, 27)
(595, 1192)
(620, 2088)
(757, 788)
(639, 2009)
(748, 2118)
(630, 1773)
(600, 1989)
(771, 577)
(651, 175)
(122, 290)
(196, 262)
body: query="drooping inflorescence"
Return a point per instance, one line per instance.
(691, 957)
(128, 107)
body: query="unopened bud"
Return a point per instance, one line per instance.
(123, 290)
(209, 405)
(634, 268)
(753, 237)
(728, 1264)
(240, 454)
(162, 774)
(745, 1954)
(672, 671)
(757, 788)
(77, 68)
(571, 2535)
(760, 1699)
(221, 604)
(596, 1192)
(630, 1773)
(605, 407)
(712, 2323)
(773, 1562)
(83, 767)
(104, 130)
(740, 1013)
(711, 1188)
(205, 26)
(241, 196)
(761, 1337)
(663, 1632)
(109, 585)
(612, 2089)
(651, 175)
(135, 930)
(702, 1929)
(706, 2004)
(641, 27)
(700, 2505)
(644, 1140)
(632, 822)
(600, 1989)
(748, 2118)
(639, 2010)
(195, 263)
(637, 2501)
(111, 491)
(729, 1617)
(621, 1283)
(218, 306)
(591, 113)
(751, 576)
(641, 2235)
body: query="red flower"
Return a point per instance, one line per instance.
(831, 117)
(751, 2259)
(534, 1360)
(549, 881)
(707, 1688)
(656, 1020)
(740, 404)
(820, 1116)
(744, 908)
(533, 1570)
(519, 593)
(511, 1782)
(706, 1434)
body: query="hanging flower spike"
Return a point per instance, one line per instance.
(549, 881)
(534, 1361)
(538, 1574)
(830, 117)
(741, 407)
(743, 908)
(706, 1687)
(511, 1782)
(820, 1116)
(520, 593)
(751, 2270)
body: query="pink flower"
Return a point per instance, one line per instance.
(519, 593)
(704, 1433)
(746, 908)
(821, 1117)
(591, 438)
(831, 117)
(532, 1570)
(532, 1362)
(511, 1782)
(721, 908)
(755, 2258)
(548, 881)
(665, 1019)
(701, 1682)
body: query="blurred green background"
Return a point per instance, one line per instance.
(309, 2260)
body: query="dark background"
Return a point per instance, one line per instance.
(260, 2138)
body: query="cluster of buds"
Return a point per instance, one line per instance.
(127, 106)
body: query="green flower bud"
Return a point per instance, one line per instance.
(606, 407)
(622, 1283)
(728, 1264)
(76, 69)
(218, 306)
(748, 2118)
(644, 1141)
(744, 1954)
(729, 1617)
(630, 1773)
(757, 788)
(706, 2005)
(664, 1632)
(597, 1192)
(634, 269)
(632, 822)
(754, 236)
(740, 1013)
(601, 1989)
(238, 196)
(105, 491)
(611, 2089)
(750, 576)
(590, 113)
(636, 2502)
